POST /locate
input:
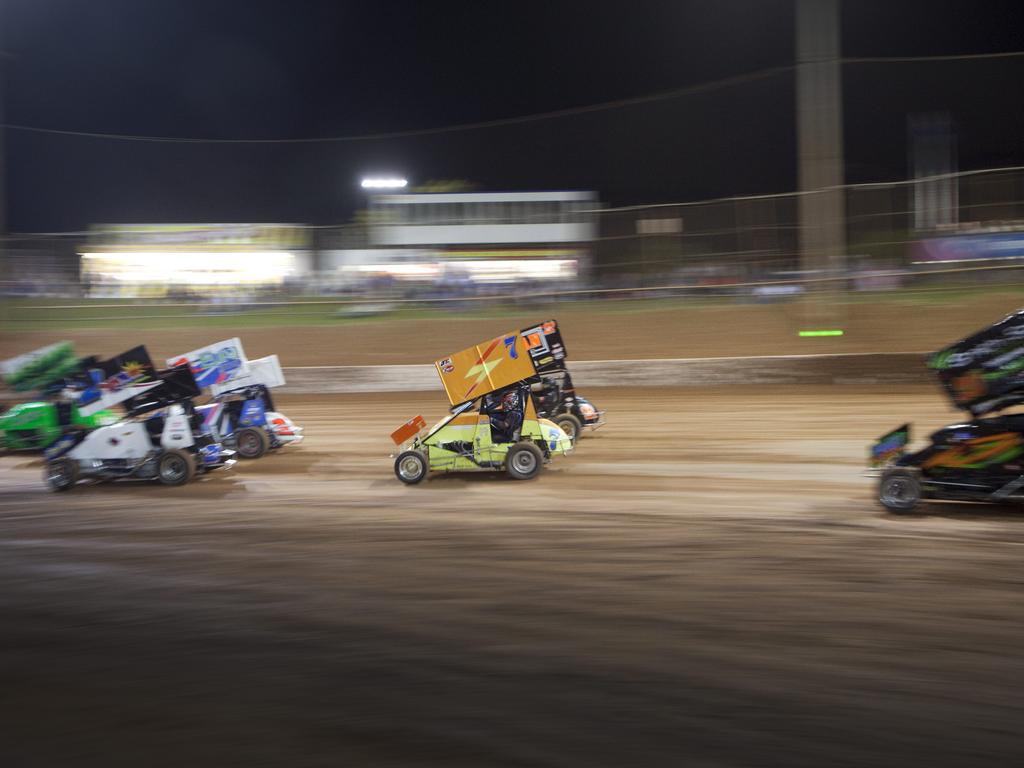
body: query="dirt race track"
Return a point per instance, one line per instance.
(706, 582)
(610, 331)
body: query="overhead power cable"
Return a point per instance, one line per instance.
(500, 122)
(675, 93)
(925, 59)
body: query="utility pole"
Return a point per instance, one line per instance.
(4, 57)
(3, 156)
(819, 111)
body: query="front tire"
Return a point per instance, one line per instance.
(899, 491)
(252, 443)
(523, 461)
(411, 467)
(175, 467)
(61, 474)
(569, 424)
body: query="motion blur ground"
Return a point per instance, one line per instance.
(705, 581)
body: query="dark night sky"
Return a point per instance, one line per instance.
(298, 68)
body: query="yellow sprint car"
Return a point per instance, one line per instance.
(493, 425)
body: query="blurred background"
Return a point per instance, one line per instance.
(809, 165)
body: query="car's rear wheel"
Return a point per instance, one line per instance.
(523, 461)
(411, 467)
(570, 425)
(252, 443)
(899, 491)
(61, 474)
(175, 467)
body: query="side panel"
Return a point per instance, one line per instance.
(253, 414)
(40, 418)
(486, 449)
(213, 421)
(443, 460)
(554, 437)
(177, 432)
(446, 446)
(128, 440)
(981, 452)
(98, 419)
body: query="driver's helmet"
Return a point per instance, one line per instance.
(510, 399)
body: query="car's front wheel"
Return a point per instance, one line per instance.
(252, 443)
(570, 425)
(899, 490)
(411, 467)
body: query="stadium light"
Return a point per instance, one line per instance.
(383, 183)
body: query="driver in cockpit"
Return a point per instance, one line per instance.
(505, 410)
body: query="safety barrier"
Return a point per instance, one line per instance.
(862, 369)
(868, 368)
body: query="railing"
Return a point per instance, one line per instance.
(747, 247)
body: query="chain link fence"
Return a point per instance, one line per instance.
(743, 248)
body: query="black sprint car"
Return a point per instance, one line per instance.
(554, 395)
(979, 459)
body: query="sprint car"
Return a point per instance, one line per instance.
(982, 457)
(35, 425)
(241, 415)
(554, 395)
(245, 419)
(157, 439)
(48, 371)
(493, 425)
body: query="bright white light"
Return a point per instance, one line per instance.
(394, 183)
(479, 270)
(191, 267)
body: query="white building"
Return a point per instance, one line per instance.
(483, 218)
(488, 236)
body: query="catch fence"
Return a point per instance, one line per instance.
(739, 248)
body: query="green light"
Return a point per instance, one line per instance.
(820, 333)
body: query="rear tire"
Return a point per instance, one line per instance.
(411, 467)
(175, 467)
(251, 443)
(523, 461)
(899, 491)
(572, 426)
(61, 474)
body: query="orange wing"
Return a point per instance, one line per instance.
(485, 367)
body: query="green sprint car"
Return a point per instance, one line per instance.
(38, 424)
(34, 426)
